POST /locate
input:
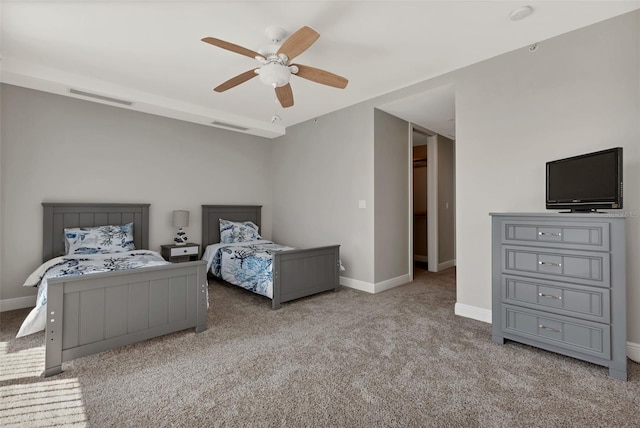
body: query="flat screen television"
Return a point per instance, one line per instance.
(585, 183)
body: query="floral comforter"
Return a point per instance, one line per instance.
(79, 265)
(246, 264)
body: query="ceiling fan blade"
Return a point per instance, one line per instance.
(321, 76)
(298, 42)
(231, 47)
(285, 95)
(235, 81)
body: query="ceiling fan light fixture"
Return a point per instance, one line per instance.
(274, 74)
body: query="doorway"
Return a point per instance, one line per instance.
(420, 180)
(433, 200)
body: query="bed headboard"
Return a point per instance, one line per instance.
(58, 216)
(211, 214)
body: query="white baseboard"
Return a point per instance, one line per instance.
(473, 312)
(358, 285)
(423, 259)
(633, 351)
(391, 283)
(17, 303)
(446, 265)
(377, 287)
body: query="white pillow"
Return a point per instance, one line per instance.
(99, 239)
(238, 231)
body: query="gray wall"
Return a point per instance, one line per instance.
(321, 169)
(391, 180)
(58, 149)
(577, 93)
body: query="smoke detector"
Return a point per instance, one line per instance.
(520, 13)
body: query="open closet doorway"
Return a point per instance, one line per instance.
(433, 190)
(431, 120)
(420, 206)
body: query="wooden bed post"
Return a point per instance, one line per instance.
(203, 302)
(275, 301)
(53, 333)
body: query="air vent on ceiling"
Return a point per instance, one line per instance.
(100, 97)
(229, 125)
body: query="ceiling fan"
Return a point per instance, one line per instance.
(276, 67)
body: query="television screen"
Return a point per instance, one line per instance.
(585, 182)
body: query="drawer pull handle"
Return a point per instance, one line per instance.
(544, 327)
(549, 234)
(550, 264)
(550, 296)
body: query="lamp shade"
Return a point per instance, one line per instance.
(180, 218)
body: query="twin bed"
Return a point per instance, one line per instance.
(87, 314)
(295, 273)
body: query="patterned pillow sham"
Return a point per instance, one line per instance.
(99, 239)
(231, 231)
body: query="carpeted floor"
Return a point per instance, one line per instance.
(340, 359)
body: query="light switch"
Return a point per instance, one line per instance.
(362, 203)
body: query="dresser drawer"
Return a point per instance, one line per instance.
(571, 235)
(590, 303)
(590, 268)
(582, 336)
(185, 251)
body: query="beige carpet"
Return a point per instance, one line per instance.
(340, 359)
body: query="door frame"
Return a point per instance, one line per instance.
(432, 198)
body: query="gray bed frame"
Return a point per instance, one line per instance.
(93, 313)
(296, 273)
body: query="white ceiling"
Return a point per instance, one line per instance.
(149, 52)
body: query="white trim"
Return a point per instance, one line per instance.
(392, 283)
(17, 303)
(633, 351)
(410, 213)
(357, 285)
(377, 287)
(473, 312)
(433, 232)
(446, 265)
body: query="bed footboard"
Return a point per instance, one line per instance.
(301, 273)
(93, 313)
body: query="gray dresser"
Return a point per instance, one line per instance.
(559, 283)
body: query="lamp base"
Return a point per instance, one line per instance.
(181, 237)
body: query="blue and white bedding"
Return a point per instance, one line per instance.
(74, 265)
(246, 264)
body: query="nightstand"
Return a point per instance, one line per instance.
(180, 253)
